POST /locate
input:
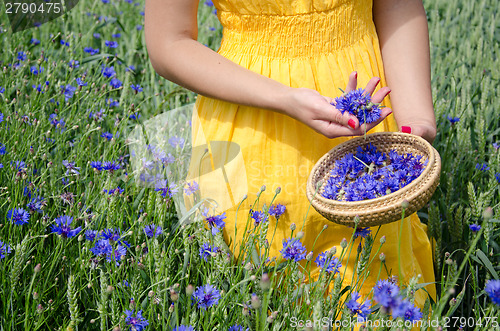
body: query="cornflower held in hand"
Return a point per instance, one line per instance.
(293, 250)
(137, 322)
(62, 227)
(358, 103)
(206, 296)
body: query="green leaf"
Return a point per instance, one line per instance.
(486, 262)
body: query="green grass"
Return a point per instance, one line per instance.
(50, 282)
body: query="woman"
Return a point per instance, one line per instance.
(269, 88)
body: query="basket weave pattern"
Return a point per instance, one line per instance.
(385, 209)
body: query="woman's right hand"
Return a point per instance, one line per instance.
(317, 111)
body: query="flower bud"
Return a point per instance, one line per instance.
(343, 243)
(255, 301)
(300, 235)
(38, 268)
(35, 295)
(189, 290)
(488, 213)
(245, 311)
(278, 190)
(110, 289)
(309, 256)
(382, 240)
(382, 257)
(152, 293)
(171, 308)
(265, 282)
(405, 204)
(293, 226)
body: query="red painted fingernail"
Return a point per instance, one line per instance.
(356, 75)
(389, 113)
(351, 123)
(406, 129)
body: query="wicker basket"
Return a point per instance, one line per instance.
(385, 209)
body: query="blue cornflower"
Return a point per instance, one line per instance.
(237, 327)
(96, 35)
(130, 68)
(62, 227)
(38, 88)
(206, 251)
(277, 210)
(496, 145)
(407, 311)
(36, 204)
(137, 322)
(4, 249)
(191, 188)
(3, 149)
(139, 27)
(209, 3)
(206, 296)
(68, 91)
(362, 310)
(91, 235)
(137, 88)
(70, 167)
(216, 222)
(102, 248)
(166, 191)
(64, 43)
(453, 120)
(358, 103)
(114, 191)
(18, 216)
(2, 89)
(34, 41)
(493, 289)
(21, 56)
(153, 230)
(112, 103)
(74, 64)
(19, 165)
(91, 51)
(183, 328)
(332, 264)
(386, 293)
(107, 135)
(176, 141)
(482, 166)
(497, 177)
(474, 227)
(259, 217)
(116, 35)
(35, 71)
(110, 166)
(115, 83)
(117, 254)
(96, 165)
(111, 234)
(111, 44)
(108, 71)
(362, 232)
(135, 116)
(293, 250)
(80, 82)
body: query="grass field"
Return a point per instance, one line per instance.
(71, 93)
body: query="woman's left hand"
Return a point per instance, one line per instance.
(422, 129)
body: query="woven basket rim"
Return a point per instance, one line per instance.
(431, 157)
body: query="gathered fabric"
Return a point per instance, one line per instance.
(312, 44)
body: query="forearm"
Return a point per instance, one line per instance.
(200, 69)
(404, 42)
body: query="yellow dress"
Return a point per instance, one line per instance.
(314, 44)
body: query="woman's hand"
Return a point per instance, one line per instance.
(317, 111)
(422, 129)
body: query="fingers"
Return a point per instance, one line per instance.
(383, 114)
(379, 96)
(352, 83)
(372, 84)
